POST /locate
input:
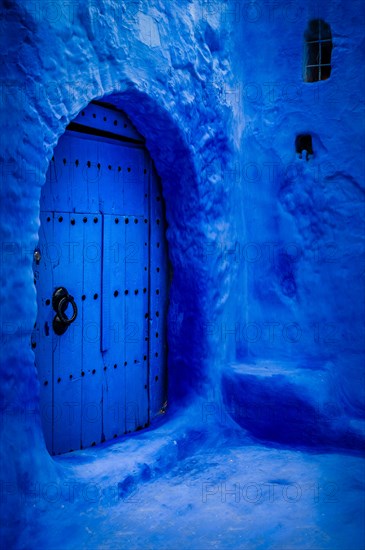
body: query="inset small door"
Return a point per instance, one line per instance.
(101, 274)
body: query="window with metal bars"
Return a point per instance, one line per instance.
(318, 50)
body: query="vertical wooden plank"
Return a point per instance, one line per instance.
(60, 174)
(67, 348)
(110, 176)
(109, 256)
(159, 283)
(133, 180)
(92, 365)
(114, 396)
(106, 192)
(56, 193)
(77, 172)
(92, 172)
(120, 154)
(136, 322)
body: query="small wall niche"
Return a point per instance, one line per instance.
(303, 142)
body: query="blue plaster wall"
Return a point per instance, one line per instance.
(217, 90)
(299, 322)
(310, 214)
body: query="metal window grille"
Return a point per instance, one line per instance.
(318, 49)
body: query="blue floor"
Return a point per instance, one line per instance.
(192, 482)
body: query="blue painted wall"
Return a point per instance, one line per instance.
(297, 318)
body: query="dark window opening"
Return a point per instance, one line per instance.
(303, 142)
(318, 50)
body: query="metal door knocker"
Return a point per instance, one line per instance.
(60, 301)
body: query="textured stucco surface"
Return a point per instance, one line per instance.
(301, 256)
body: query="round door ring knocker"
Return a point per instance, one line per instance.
(60, 301)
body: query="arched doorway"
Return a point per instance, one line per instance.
(101, 274)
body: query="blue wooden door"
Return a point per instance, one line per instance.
(101, 240)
